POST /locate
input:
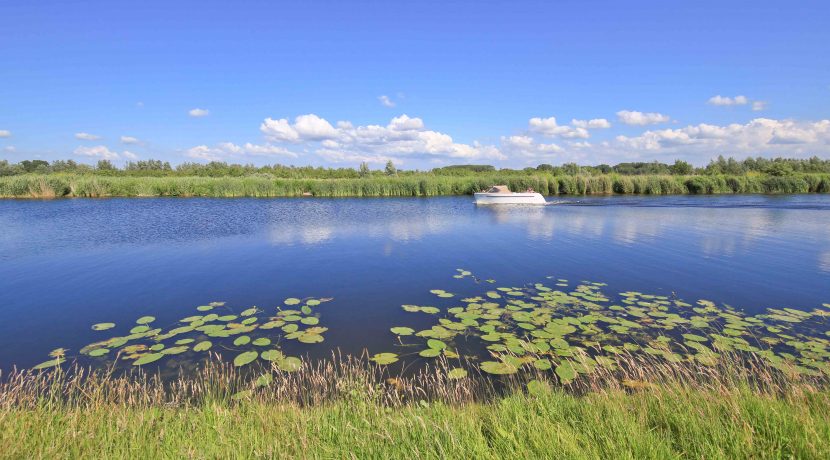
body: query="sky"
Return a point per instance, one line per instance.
(424, 84)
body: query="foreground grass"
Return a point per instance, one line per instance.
(661, 422)
(77, 185)
(637, 407)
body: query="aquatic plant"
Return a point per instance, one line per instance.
(79, 185)
(193, 335)
(580, 330)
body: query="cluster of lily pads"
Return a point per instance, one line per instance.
(250, 334)
(573, 331)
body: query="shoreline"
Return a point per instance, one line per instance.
(53, 186)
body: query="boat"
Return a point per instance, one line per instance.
(501, 194)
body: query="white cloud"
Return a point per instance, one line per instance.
(596, 123)
(404, 136)
(5, 133)
(527, 147)
(129, 155)
(385, 101)
(724, 100)
(759, 105)
(230, 151)
(129, 140)
(198, 113)
(10, 148)
(87, 136)
(549, 127)
(97, 151)
(780, 137)
(631, 117)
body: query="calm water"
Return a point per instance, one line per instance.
(67, 264)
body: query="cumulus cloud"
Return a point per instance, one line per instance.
(755, 137)
(198, 113)
(759, 105)
(5, 133)
(526, 146)
(596, 123)
(549, 127)
(403, 136)
(632, 117)
(724, 100)
(99, 151)
(129, 140)
(229, 151)
(87, 136)
(385, 101)
(129, 155)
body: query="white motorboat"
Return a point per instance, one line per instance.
(500, 194)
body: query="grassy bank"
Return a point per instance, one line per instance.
(79, 185)
(348, 409)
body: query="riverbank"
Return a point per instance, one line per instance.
(93, 186)
(343, 408)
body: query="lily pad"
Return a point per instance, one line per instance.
(203, 346)
(242, 340)
(145, 320)
(457, 373)
(290, 364)
(400, 330)
(245, 358)
(102, 326)
(385, 358)
(498, 368)
(291, 301)
(147, 359)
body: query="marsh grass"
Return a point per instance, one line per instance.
(640, 407)
(79, 185)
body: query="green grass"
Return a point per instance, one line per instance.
(663, 423)
(80, 185)
(346, 408)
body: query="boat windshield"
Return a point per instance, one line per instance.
(499, 189)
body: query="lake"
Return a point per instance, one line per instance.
(68, 264)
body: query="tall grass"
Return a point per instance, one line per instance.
(74, 185)
(345, 407)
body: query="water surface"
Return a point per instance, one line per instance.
(67, 264)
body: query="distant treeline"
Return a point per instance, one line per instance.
(93, 185)
(778, 167)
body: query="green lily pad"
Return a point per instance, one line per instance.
(290, 364)
(264, 380)
(203, 346)
(400, 330)
(245, 358)
(566, 372)
(102, 326)
(429, 353)
(145, 320)
(51, 363)
(498, 367)
(242, 340)
(99, 352)
(249, 312)
(262, 342)
(292, 301)
(436, 344)
(457, 373)
(147, 359)
(272, 355)
(385, 358)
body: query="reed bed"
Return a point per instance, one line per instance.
(346, 407)
(262, 185)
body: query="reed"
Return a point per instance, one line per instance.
(262, 185)
(346, 407)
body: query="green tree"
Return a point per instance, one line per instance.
(390, 169)
(364, 169)
(681, 168)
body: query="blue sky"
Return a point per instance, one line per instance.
(505, 83)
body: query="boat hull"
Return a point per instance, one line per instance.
(509, 198)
